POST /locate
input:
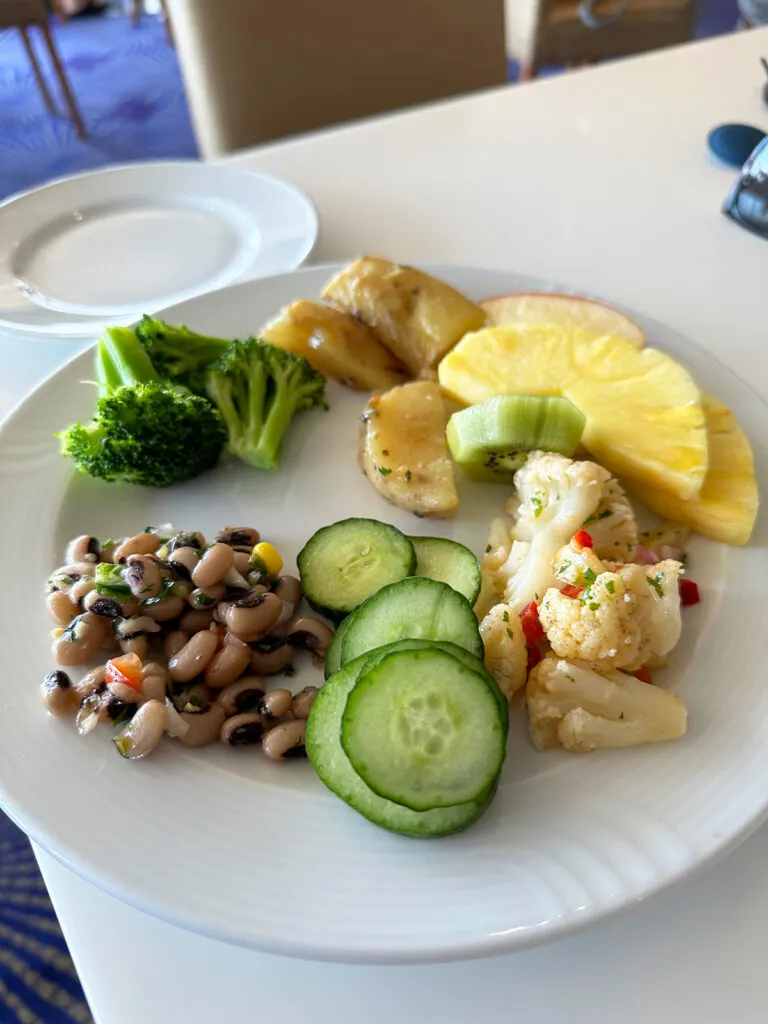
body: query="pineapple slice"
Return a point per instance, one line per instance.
(403, 450)
(335, 344)
(643, 411)
(726, 508)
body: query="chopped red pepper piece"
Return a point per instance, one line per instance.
(643, 675)
(582, 539)
(534, 656)
(529, 619)
(569, 590)
(689, 592)
(125, 669)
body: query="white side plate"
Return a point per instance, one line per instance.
(110, 245)
(224, 843)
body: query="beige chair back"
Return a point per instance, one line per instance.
(256, 70)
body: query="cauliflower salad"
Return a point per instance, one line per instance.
(578, 609)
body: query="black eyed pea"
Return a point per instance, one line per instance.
(253, 616)
(242, 561)
(136, 644)
(311, 634)
(185, 559)
(142, 573)
(80, 641)
(143, 732)
(62, 608)
(285, 740)
(81, 590)
(124, 693)
(83, 549)
(220, 612)
(154, 681)
(173, 642)
(191, 698)
(57, 694)
(275, 703)
(213, 566)
(267, 663)
(141, 544)
(302, 701)
(241, 696)
(227, 664)
(243, 730)
(201, 599)
(288, 589)
(203, 726)
(238, 536)
(193, 657)
(166, 609)
(193, 621)
(92, 682)
(191, 541)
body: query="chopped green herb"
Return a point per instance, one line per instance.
(655, 582)
(598, 515)
(487, 548)
(569, 677)
(384, 470)
(510, 634)
(289, 670)
(127, 712)
(590, 575)
(505, 616)
(621, 717)
(593, 606)
(538, 506)
(408, 475)
(385, 451)
(610, 586)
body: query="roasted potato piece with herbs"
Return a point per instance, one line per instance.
(336, 344)
(416, 316)
(403, 449)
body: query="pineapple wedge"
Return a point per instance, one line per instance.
(644, 414)
(336, 344)
(726, 508)
(403, 450)
(416, 316)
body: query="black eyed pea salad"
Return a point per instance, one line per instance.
(183, 633)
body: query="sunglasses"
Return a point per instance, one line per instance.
(747, 202)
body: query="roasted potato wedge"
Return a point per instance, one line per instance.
(403, 450)
(416, 316)
(336, 344)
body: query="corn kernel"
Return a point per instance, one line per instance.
(56, 633)
(269, 556)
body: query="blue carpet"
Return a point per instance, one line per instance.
(129, 89)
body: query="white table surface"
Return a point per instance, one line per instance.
(600, 179)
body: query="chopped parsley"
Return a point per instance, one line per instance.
(563, 567)
(510, 634)
(487, 548)
(505, 616)
(655, 582)
(593, 606)
(538, 506)
(596, 516)
(610, 586)
(590, 575)
(408, 476)
(384, 470)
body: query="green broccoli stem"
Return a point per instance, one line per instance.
(283, 408)
(121, 359)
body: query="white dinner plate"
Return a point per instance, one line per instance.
(106, 246)
(222, 842)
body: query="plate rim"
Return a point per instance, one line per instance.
(487, 945)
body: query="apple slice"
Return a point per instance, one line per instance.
(563, 310)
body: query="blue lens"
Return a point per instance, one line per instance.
(747, 202)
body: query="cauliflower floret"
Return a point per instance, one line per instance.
(570, 705)
(506, 652)
(623, 619)
(492, 575)
(612, 525)
(577, 565)
(605, 624)
(554, 495)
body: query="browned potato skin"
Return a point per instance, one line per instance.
(403, 451)
(336, 344)
(416, 316)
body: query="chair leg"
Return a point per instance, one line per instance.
(167, 21)
(66, 88)
(526, 73)
(42, 85)
(136, 7)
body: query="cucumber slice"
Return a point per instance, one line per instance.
(333, 651)
(415, 607)
(343, 564)
(423, 730)
(448, 561)
(491, 440)
(324, 749)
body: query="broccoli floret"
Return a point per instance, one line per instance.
(145, 431)
(258, 389)
(179, 354)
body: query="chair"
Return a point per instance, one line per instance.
(256, 70)
(26, 14)
(553, 32)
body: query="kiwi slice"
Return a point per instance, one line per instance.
(491, 440)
